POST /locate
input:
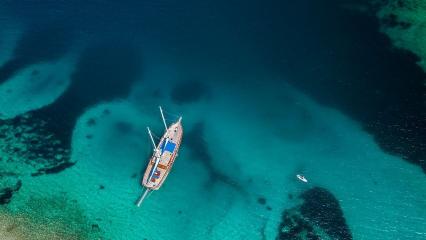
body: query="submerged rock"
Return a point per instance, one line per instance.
(95, 227)
(261, 200)
(188, 92)
(124, 127)
(318, 217)
(54, 169)
(91, 122)
(7, 193)
(106, 112)
(323, 209)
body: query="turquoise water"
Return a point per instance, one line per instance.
(74, 143)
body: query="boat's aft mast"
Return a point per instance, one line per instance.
(152, 139)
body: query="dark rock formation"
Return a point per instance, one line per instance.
(261, 200)
(323, 209)
(6, 194)
(294, 227)
(320, 214)
(123, 127)
(188, 92)
(55, 169)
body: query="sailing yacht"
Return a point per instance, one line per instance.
(163, 157)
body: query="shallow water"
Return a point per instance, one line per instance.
(267, 90)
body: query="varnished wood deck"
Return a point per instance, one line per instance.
(174, 132)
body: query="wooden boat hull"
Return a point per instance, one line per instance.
(167, 151)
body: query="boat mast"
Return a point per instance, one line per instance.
(162, 116)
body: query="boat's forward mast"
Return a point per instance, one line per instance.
(162, 116)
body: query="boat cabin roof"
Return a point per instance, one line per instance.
(170, 146)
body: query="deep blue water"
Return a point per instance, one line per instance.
(196, 52)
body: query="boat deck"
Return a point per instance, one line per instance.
(168, 148)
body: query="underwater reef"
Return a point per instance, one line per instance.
(6, 193)
(53, 218)
(39, 142)
(188, 92)
(318, 217)
(404, 21)
(42, 138)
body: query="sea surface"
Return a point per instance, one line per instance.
(266, 89)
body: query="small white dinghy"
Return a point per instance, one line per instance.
(302, 178)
